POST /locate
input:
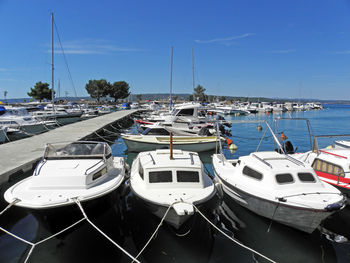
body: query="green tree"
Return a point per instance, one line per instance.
(5, 94)
(119, 90)
(40, 91)
(139, 97)
(97, 88)
(198, 93)
(175, 98)
(190, 98)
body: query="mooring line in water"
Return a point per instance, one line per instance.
(111, 132)
(234, 240)
(76, 200)
(101, 137)
(156, 231)
(15, 201)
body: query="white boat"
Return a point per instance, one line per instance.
(278, 187)
(83, 170)
(160, 181)
(18, 118)
(140, 143)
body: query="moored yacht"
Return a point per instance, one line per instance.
(278, 187)
(86, 171)
(162, 178)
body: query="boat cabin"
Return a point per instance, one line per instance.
(276, 171)
(185, 170)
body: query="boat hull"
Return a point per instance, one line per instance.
(206, 206)
(303, 219)
(56, 219)
(137, 146)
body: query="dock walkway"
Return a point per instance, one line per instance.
(21, 155)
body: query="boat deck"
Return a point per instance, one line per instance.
(20, 156)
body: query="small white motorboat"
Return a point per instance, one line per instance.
(278, 187)
(160, 181)
(139, 143)
(86, 171)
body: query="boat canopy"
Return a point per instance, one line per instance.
(78, 150)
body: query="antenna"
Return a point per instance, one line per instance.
(52, 66)
(171, 79)
(171, 146)
(192, 68)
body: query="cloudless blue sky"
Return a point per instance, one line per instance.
(271, 48)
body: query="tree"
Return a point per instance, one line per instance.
(139, 97)
(199, 93)
(119, 90)
(40, 91)
(190, 98)
(97, 88)
(5, 94)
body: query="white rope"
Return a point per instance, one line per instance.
(155, 232)
(76, 200)
(15, 201)
(235, 241)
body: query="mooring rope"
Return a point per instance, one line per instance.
(235, 241)
(15, 201)
(102, 137)
(76, 200)
(156, 231)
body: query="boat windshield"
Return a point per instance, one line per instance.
(78, 150)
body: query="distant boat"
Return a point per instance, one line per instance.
(140, 143)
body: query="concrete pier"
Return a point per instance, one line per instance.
(20, 156)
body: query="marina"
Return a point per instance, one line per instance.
(132, 226)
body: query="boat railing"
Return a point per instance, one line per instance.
(154, 162)
(191, 156)
(86, 171)
(262, 160)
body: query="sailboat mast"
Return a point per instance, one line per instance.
(52, 66)
(171, 80)
(192, 68)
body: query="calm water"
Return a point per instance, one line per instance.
(202, 243)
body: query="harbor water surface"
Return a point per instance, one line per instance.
(200, 242)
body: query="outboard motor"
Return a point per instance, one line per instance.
(288, 147)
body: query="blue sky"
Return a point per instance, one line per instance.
(272, 48)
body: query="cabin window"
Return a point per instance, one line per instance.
(252, 173)
(99, 174)
(306, 177)
(160, 177)
(284, 178)
(185, 112)
(325, 167)
(187, 176)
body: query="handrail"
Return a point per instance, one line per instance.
(93, 166)
(154, 162)
(290, 158)
(262, 160)
(191, 156)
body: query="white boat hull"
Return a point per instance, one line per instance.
(138, 146)
(306, 220)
